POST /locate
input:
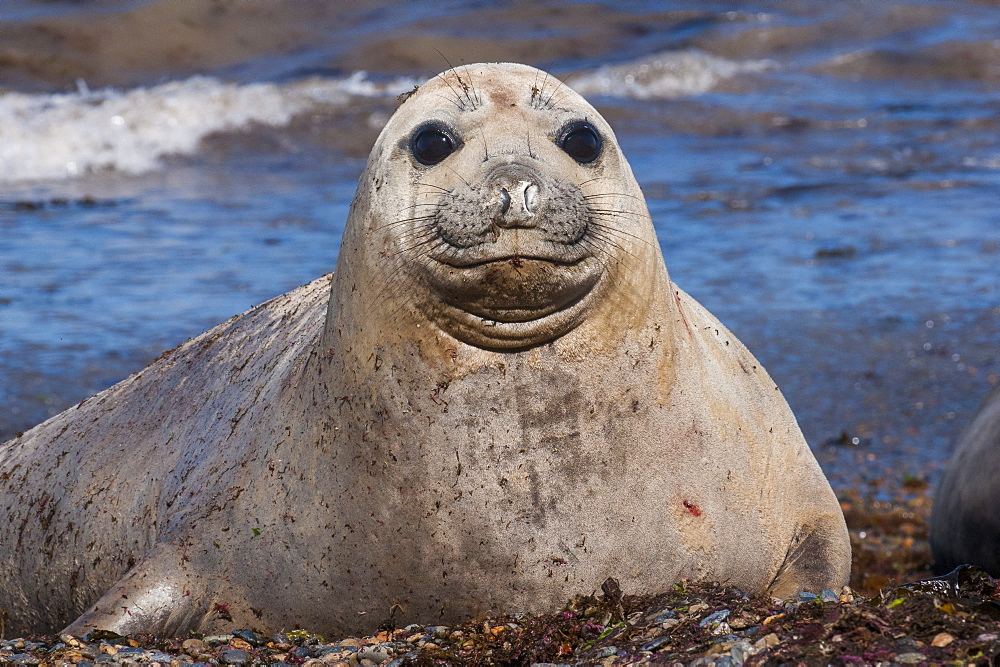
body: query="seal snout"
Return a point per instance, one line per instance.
(517, 203)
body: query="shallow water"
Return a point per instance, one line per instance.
(822, 176)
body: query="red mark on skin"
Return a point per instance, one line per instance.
(691, 507)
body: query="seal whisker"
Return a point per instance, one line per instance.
(548, 102)
(458, 97)
(405, 220)
(486, 148)
(601, 254)
(536, 91)
(461, 84)
(457, 174)
(433, 185)
(472, 85)
(620, 233)
(610, 236)
(416, 240)
(457, 102)
(614, 194)
(620, 212)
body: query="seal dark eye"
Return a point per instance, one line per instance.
(431, 144)
(581, 142)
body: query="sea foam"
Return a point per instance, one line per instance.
(70, 134)
(664, 76)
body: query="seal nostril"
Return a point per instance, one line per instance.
(504, 201)
(530, 195)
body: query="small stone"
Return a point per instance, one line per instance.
(942, 639)
(235, 642)
(249, 636)
(302, 652)
(108, 649)
(910, 658)
(234, 657)
(378, 653)
(743, 621)
(160, 657)
(655, 616)
(806, 596)
(356, 643)
(403, 660)
(715, 619)
(193, 646)
(669, 623)
(217, 639)
(740, 651)
(697, 608)
(661, 616)
(826, 595)
(651, 646)
(767, 641)
(606, 652)
(987, 637)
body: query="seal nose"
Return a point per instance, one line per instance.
(517, 204)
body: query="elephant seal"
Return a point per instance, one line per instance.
(965, 518)
(497, 400)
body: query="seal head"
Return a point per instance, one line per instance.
(515, 206)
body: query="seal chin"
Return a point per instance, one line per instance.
(514, 302)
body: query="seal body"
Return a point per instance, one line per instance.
(498, 400)
(965, 518)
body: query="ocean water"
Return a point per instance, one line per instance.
(822, 176)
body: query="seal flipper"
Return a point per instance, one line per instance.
(816, 560)
(161, 595)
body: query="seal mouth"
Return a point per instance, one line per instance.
(524, 292)
(516, 261)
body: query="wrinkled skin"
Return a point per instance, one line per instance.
(506, 402)
(965, 519)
